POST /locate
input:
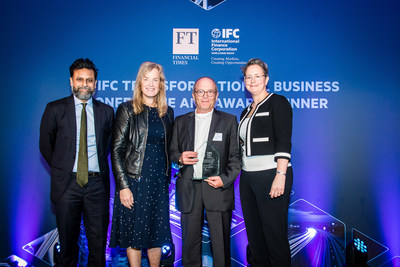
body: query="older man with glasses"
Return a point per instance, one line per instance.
(194, 134)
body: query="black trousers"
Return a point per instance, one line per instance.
(266, 218)
(219, 223)
(90, 202)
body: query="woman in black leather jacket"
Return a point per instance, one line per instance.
(141, 168)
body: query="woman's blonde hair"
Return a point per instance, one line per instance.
(160, 99)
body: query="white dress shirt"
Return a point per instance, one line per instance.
(202, 128)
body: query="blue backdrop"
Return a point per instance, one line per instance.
(336, 61)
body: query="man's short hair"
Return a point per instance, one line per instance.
(83, 63)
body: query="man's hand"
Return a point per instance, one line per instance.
(214, 181)
(126, 197)
(188, 158)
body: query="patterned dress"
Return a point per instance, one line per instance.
(146, 225)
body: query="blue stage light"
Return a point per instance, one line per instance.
(167, 255)
(57, 247)
(359, 244)
(356, 253)
(56, 253)
(165, 250)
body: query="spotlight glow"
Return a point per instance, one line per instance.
(312, 232)
(297, 243)
(17, 261)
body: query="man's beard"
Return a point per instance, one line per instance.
(83, 95)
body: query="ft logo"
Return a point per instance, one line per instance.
(186, 41)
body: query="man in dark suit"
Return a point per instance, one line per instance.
(191, 132)
(75, 136)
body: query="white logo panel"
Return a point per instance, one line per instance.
(185, 41)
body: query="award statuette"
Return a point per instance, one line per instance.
(211, 161)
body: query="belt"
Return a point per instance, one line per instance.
(90, 174)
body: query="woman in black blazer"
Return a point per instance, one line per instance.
(265, 131)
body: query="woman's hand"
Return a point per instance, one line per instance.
(126, 197)
(278, 186)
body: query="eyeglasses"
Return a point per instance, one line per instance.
(257, 77)
(202, 92)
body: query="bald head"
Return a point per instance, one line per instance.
(205, 78)
(205, 93)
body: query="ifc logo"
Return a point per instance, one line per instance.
(216, 33)
(225, 33)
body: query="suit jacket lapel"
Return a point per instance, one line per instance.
(71, 118)
(97, 122)
(213, 127)
(191, 130)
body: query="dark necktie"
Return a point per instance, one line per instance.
(82, 172)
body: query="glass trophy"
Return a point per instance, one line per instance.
(211, 161)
